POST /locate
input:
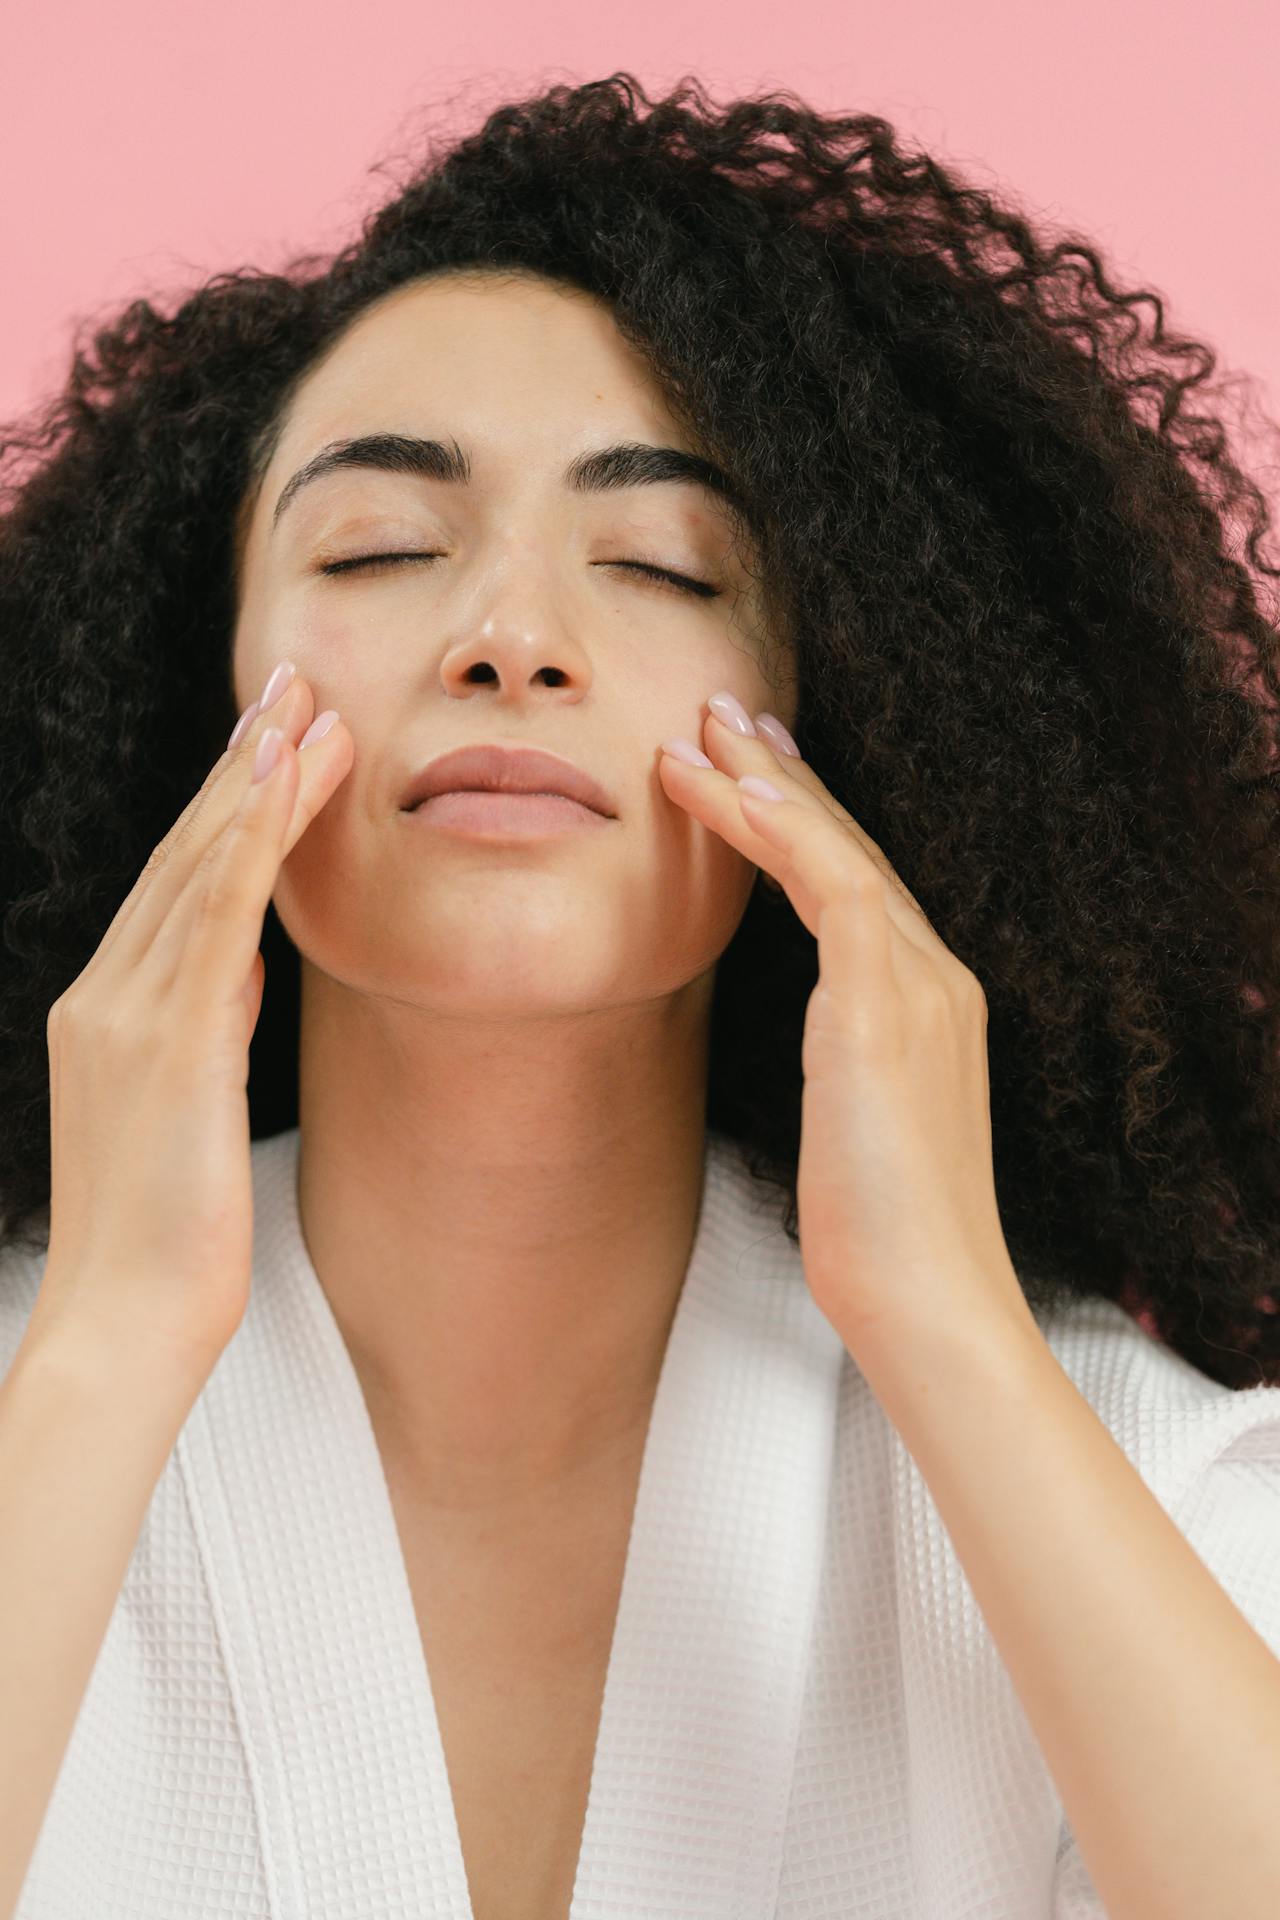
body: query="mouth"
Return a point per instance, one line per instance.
(507, 767)
(497, 815)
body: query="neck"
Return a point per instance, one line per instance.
(501, 1215)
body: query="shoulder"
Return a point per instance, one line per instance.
(1170, 1418)
(1210, 1453)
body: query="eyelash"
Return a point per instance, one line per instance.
(663, 576)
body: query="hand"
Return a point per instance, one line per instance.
(897, 1212)
(151, 1192)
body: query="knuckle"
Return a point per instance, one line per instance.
(68, 1010)
(934, 997)
(217, 901)
(211, 860)
(156, 860)
(115, 1026)
(970, 987)
(866, 884)
(978, 1001)
(79, 1019)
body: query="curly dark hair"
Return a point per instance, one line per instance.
(1028, 663)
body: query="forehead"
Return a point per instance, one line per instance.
(522, 355)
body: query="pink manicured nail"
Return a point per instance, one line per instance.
(277, 681)
(242, 725)
(728, 707)
(685, 750)
(268, 752)
(318, 728)
(776, 734)
(762, 789)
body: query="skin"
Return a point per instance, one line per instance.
(503, 1047)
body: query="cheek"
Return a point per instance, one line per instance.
(329, 652)
(704, 882)
(697, 912)
(249, 665)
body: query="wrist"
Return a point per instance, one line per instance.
(99, 1358)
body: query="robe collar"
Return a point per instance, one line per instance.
(703, 1698)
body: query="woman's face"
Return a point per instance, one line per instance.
(532, 625)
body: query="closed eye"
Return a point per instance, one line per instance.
(675, 582)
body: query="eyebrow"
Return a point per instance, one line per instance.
(629, 464)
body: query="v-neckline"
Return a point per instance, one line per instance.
(707, 1668)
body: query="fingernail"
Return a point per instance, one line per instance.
(319, 727)
(242, 725)
(728, 708)
(762, 789)
(277, 682)
(268, 752)
(776, 734)
(685, 750)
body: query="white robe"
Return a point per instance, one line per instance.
(805, 1715)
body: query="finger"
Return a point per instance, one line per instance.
(176, 858)
(824, 869)
(799, 771)
(799, 839)
(255, 983)
(205, 950)
(311, 780)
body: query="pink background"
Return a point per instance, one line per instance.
(146, 144)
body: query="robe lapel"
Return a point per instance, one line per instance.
(702, 1703)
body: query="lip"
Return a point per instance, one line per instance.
(503, 767)
(503, 816)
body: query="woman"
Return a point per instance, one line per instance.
(587, 1242)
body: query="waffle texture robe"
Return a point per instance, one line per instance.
(805, 1715)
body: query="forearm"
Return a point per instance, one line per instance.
(1155, 1704)
(84, 1437)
